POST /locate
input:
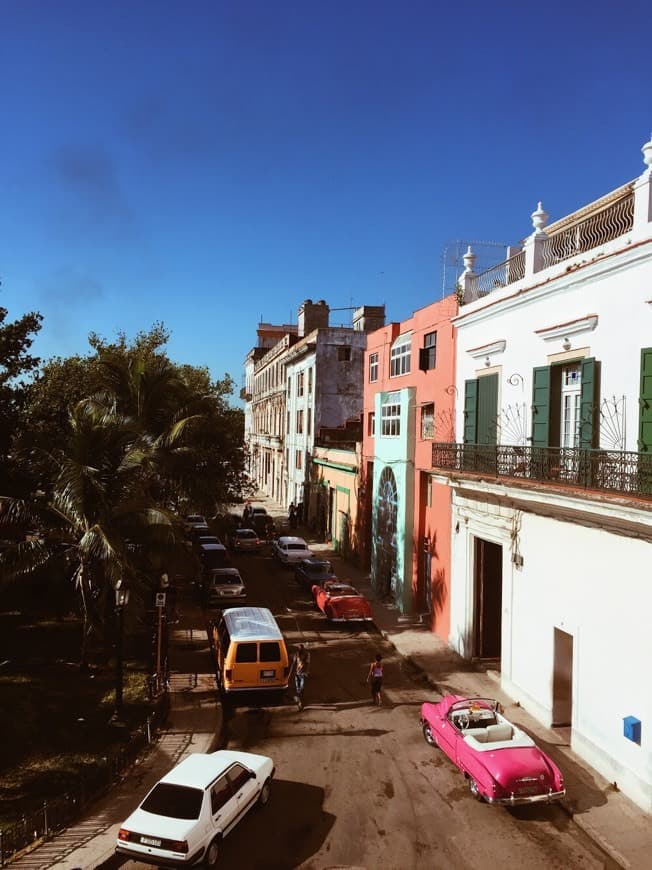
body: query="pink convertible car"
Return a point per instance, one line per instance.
(502, 764)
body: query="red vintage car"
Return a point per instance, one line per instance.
(341, 602)
(502, 764)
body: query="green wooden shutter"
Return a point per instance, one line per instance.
(645, 403)
(541, 406)
(470, 411)
(589, 405)
(487, 409)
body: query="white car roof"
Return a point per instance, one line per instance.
(292, 539)
(200, 769)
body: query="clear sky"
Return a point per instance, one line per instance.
(212, 164)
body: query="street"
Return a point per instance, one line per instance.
(357, 786)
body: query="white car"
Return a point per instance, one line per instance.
(223, 584)
(289, 550)
(184, 817)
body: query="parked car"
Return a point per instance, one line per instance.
(213, 556)
(312, 571)
(341, 602)
(245, 541)
(501, 763)
(289, 550)
(200, 539)
(222, 585)
(195, 521)
(184, 818)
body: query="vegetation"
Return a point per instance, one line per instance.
(105, 452)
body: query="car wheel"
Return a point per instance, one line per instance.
(475, 791)
(428, 736)
(212, 854)
(265, 793)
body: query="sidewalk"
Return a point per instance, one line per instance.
(194, 725)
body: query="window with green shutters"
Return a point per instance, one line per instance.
(546, 397)
(645, 403)
(481, 410)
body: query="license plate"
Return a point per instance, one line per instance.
(150, 841)
(267, 675)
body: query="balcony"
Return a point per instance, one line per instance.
(608, 471)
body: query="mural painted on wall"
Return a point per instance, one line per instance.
(386, 517)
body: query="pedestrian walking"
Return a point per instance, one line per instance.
(292, 515)
(375, 677)
(301, 673)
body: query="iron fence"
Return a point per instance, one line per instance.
(609, 223)
(52, 816)
(616, 471)
(498, 276)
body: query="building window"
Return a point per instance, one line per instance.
(371, 423)
(399, 363)
(428, 421)
(344, 354)
(300, 422)
(300, 384)
(309, 421)
(299, 454)
(390, 416)
(289, 384)
(309, 381)
(288, 426)
(428, 353)
(373, 367)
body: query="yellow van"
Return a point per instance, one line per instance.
(250, 650)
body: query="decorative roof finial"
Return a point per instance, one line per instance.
(647, 153)
(469, 260)
(539, 219)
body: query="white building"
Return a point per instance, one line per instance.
(324, 386)
(264, 411)
(551, 478)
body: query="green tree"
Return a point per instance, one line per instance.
(16, 364)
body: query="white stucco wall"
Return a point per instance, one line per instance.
(590, 583)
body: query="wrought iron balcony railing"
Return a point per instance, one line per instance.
(614, 471)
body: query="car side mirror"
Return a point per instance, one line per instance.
(252, 774)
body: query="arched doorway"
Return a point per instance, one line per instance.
(386, 515)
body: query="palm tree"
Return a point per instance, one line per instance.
(96, 510)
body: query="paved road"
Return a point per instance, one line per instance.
(357, 786)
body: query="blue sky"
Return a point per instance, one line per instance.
(212, 164)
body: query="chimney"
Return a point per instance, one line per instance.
(368, 318)
(312, 315)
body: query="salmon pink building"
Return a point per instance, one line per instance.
(409, 403)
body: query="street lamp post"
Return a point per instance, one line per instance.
(121, 599)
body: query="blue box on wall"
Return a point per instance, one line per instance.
(632, 729)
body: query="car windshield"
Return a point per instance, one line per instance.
(196, 518)
(226, 578)
(173, 801)
(246, 533)
(320, 568)
(341, 590)
(295, 546)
